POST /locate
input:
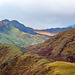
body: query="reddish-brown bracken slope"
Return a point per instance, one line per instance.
(58, 47)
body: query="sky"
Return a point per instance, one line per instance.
(39, 14)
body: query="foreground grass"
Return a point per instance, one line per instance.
(61, 68)
(28, 64)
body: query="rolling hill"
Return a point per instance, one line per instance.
(9, 52)
(58, 47)
(15, 60)
(27, 64)
(47, 58)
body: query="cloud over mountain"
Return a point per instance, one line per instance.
(40, 13)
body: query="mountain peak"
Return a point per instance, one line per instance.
(5, 20)
(15, 21)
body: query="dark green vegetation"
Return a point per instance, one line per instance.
(58, 47)
(11, 35)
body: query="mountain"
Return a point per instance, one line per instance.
(59, 47)
(14, 62)
(12, 35)
(46, 32)
(47, 58)
(20, 26)
(53, 31)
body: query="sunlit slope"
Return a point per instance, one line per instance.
(59, 68)
(44, 33)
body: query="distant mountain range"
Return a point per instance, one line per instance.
(53, 31)
(20, 26)
(45, 32)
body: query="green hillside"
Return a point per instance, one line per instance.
(11, 35)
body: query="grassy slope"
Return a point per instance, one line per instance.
(35, 65)
(59, 68)
(12, 35)
(14, 62)
(8, 52)
(58, 47)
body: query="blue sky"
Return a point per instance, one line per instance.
(39, 14)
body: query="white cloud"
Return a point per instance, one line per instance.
(65, 7)
(39, 12)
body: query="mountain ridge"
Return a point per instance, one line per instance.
(54, 31)
(46, 32)
(58, 47)
(20, 26)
